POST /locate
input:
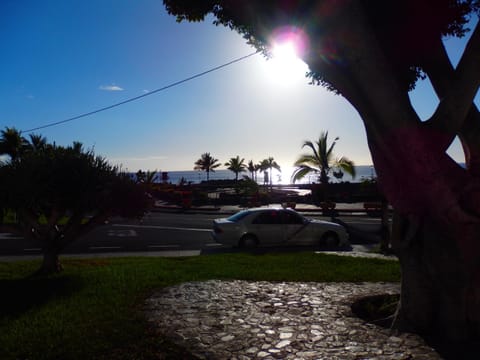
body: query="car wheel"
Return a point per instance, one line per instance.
(330, 240)
(248, 241)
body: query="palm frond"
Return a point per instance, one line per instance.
(301, 172)
(307, 160)
(347, 165)
(312, 147)
(320, 159)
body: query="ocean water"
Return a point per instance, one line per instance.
(279, 178)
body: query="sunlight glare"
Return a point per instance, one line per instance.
(285, 52)
(285, 66)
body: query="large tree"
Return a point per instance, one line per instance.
(372, 52)
(60, 193)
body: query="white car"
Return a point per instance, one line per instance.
(277, 226)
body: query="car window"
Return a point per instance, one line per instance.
(289, 217)
(238, 216)
(267, 217)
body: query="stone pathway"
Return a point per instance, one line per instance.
(266, 320)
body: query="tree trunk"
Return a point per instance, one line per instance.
(385, 227)
(436, 237)
(52, 243)
(440, 296)
(323, 177)
(439, 241)
(50, 263)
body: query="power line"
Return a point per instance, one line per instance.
(141, 96)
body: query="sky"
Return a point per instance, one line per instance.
(64, 58)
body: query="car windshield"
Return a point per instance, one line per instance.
(238, 216)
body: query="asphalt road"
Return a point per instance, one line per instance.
(159, 232)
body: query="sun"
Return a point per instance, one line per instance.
(285, 52)
(285, 66)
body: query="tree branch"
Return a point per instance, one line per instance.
(462, 87)
(440, 71)
(34, 228)
(470, 137)
(75, 228)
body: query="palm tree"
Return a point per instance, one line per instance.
(12, 143)
(77, 147)
(151, 177)
(206, 163)
(37, 142)
(147, 178)
(269, 164)
(321, 161)
(236, 165)
(252, 168)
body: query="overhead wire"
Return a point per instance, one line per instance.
(140, 96)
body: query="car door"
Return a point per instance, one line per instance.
(268, 228)
(295, 228)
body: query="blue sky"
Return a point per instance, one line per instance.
(64, 58)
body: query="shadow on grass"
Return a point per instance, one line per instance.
(20, 295)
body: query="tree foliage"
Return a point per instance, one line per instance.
(269, 164)
(236, 165)
(206, 163)
(147, 178)
(321, 161)
(60, 193)
(12, 143)
(405, 28)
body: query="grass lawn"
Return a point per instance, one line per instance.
(93, 309)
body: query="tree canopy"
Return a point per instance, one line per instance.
(406, 29)
(59, 193)
(12, 143)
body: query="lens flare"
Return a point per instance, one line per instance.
(285, 52)
(285, 65)
(292, 37)
(288, 44)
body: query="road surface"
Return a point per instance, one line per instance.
(157, 232)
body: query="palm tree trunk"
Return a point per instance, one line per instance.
(323, 176)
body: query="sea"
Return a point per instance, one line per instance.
(364, 172)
